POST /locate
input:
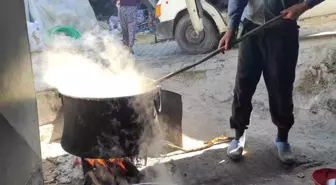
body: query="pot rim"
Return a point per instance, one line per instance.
(155, 88)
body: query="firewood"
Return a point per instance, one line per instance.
(93, 178)
(208, 144)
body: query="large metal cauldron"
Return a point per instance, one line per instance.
(107, 127)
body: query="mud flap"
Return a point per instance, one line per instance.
(195, 11)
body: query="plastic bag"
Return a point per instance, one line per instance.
(75, 13)
(35, 36)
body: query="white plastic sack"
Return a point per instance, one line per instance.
(76, 13)
(36, 36)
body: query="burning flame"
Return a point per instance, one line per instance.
(103, 163)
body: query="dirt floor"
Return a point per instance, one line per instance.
(207, 96)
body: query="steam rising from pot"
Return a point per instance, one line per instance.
(92, 67)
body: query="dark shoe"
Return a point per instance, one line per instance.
(285, 152)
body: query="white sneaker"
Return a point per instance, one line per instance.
(285, 152)
(236, 148)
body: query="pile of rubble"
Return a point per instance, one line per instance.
(321, 73)
(315, 85)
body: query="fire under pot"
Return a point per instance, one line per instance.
(110, 172)
(107, 132)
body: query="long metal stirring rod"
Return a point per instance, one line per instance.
(216, 52)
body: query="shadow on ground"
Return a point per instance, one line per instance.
(213, 167)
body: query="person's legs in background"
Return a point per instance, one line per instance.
(132, 25)
(123, 18)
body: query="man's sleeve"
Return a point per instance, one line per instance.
(312, 3)
(235, 11)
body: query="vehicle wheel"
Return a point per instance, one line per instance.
(193, 43)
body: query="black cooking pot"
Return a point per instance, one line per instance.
(111, 127)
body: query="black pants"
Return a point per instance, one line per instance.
(273, 53)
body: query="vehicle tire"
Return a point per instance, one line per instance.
(192, 43)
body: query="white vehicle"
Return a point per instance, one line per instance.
(176, 23)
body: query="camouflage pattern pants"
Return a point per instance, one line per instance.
(128, 17)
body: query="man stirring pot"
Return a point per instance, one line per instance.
(273, 53)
